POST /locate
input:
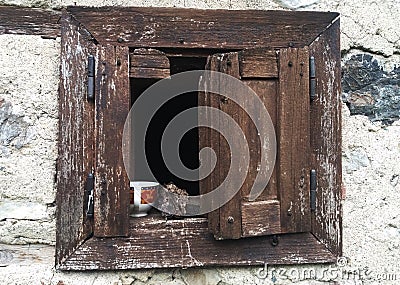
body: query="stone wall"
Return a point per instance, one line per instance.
(29, 69)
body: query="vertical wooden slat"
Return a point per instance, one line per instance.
(326, 141)
(112, 107)
(230, 216)
(294, 139)
(75, 139)
(210, 138)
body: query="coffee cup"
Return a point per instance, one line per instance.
(142, 196)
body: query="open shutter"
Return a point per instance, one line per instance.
(75, 139)
(280, 78)
(112, 107)
(113, 101)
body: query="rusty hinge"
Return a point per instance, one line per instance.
(313, 84)
(90, 74)
(313, 190)
(89, 193)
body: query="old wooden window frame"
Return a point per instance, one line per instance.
(109, 33)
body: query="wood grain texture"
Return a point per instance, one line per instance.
(230, 219)
(112, 108)
(195, 28)
(149, 63)
(188, 243)
(75, 139)
(211, 139)
(258, 63)
(29, 21)
(261, 218)
(326, 142)
(267, 91)
(294, 140)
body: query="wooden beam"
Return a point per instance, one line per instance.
(29, 21)
(196, 28)
(188, 243)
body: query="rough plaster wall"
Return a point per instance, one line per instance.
(28, 131)
(371, 152)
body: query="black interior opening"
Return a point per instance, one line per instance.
(188, 146)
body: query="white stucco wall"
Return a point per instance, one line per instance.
(29, 70)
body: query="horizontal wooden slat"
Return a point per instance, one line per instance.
(260, 63)
(261, 218)
(29, 21)
(195, 28)
(140, 60)
(149, 63)
(138, 72)
(157, 243)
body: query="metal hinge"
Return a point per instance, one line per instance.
(90, 82)
(313, 190)
(313, 84)
(90, 196)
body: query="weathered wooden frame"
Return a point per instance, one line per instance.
(185, 243)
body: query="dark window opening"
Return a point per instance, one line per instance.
(189, 144)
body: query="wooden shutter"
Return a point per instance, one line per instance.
(112, 107)
(75, 139)
(113, 101)
(280, 78)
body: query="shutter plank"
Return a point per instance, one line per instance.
(267, 91)
(75, 139)
(326, 142)
(230, 216)
(259, 63)
(112, 107)
(211, 139)
(261, 218)
(149, 63)
(294, 140)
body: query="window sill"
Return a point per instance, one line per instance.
(155, 242)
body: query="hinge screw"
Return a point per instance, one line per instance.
(181, 40)
(275, 240)
(291, 44)
(120, 40)
(231, 220)
(290, 64)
